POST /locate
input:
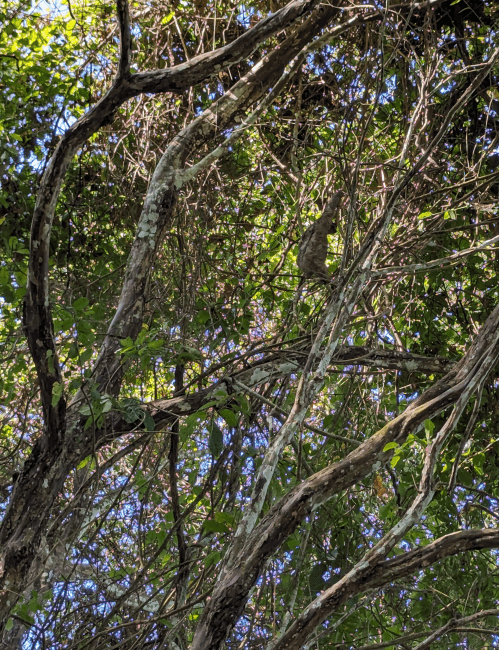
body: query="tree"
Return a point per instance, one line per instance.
(199, 448)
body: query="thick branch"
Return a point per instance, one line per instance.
(185, 75)
(53, 455)
(409, 564)
(453, 624)
(231, 593)
(169, 177)
(317, 612)
(450, 260)
(282, 364)
(125, 38)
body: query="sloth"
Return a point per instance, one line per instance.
(312, 249)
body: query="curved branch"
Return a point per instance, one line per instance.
(454, 625)
(170, 176)
(231, 593)
(282, 364)
(399, 567)
(333, 597)
(55, 453)
(37, 314)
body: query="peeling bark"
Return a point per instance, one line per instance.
(62, 446)
(231, 593)
(55, 453)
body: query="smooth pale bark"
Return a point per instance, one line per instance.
(230, 594)
(254, 543)
(61, 445)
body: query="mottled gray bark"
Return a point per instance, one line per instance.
(230, 595)
(57, 451)
(63, 445)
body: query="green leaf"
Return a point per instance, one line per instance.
(316, 580)
(149, 424)
(202, 317)
(84, 462)
(81, 303)
(57, 390)
(166, 19)
(131, 409)
(25, 616)
(429, 426)
(212, 558)
(215, 442)
(395, 459)
(127, 346)
(85, 356)
(209, 404)
(225, 518)
(230, 417)
(66, 320)
(212, 526)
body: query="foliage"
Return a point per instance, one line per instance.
(198, 394)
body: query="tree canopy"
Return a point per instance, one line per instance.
(200, 449)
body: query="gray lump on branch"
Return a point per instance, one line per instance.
(312, 249)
